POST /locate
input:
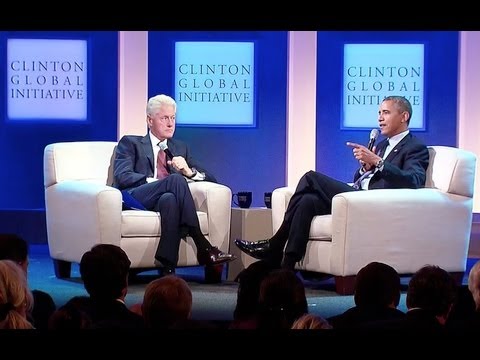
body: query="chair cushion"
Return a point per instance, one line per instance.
(137, 223)
(321, 228)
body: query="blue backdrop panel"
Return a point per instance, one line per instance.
(22, 142)
(245, 159)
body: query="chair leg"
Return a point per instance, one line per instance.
(345, 285)
(213, 274)
(62, 268)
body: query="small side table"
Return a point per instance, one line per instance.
(251, 224)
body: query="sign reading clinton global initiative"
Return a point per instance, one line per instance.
(47, 79)
(214, 83)
(373, 71)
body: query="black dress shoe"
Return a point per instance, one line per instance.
(214, 256)
(257, 249)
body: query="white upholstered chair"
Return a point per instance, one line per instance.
(83, 209)
(405, 228)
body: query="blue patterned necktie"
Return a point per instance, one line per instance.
(358, 184)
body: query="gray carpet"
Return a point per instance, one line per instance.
(210, 301)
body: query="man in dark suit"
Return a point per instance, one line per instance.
(154, 170)
(377, 295)
(104, 272)
(399, 161)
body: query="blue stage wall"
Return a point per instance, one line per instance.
(441, 76)
(22, 142)
(242, 158)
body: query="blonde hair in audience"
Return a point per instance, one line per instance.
(16, 300)
(311, 322)
(474, 284)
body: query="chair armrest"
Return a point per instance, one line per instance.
(280, 199)
(215, 200)
(79, 215)
(387, 224)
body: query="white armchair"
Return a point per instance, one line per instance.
(83, 209)
(405, 228)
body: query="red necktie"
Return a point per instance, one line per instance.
(162, 171)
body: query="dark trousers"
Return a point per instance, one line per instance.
(312, 197)
(171, 197)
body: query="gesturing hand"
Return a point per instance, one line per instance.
(367, 158)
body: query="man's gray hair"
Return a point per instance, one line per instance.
(155, 102)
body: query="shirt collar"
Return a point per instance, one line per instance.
(394, 140)
(155, 141)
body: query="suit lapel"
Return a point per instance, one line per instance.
(397, 149)
(147, 148)
(173, 149)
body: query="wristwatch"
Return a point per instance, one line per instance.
(194, 172)
(379, 164)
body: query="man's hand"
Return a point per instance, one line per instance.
(180, 164)
(368, 159)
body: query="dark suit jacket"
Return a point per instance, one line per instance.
(356, 317)
(114, 315)
(134, 161)
(405, 166)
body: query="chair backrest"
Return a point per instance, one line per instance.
(451, 170)
(79, 160)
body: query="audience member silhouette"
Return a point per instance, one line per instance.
(282, 300)
(377, 295)
(15, 248)
(465, 314)
(474, 284)
(311, 322)
(166, 302)
(16, 300)
(104, 271)
(73, 315)
(430, 296)
(246, 309)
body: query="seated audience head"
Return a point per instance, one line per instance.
(282, 300)
(311, 322)
(167, 301)
(432, 289)
(16, 300)
(74, 314)
(474, 284)
(104, 272)
(249, 281)
(377, 285)
(13, 247)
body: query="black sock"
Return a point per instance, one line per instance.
(199, 239)
(279, 239)
(165, 263)
(289, 262)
